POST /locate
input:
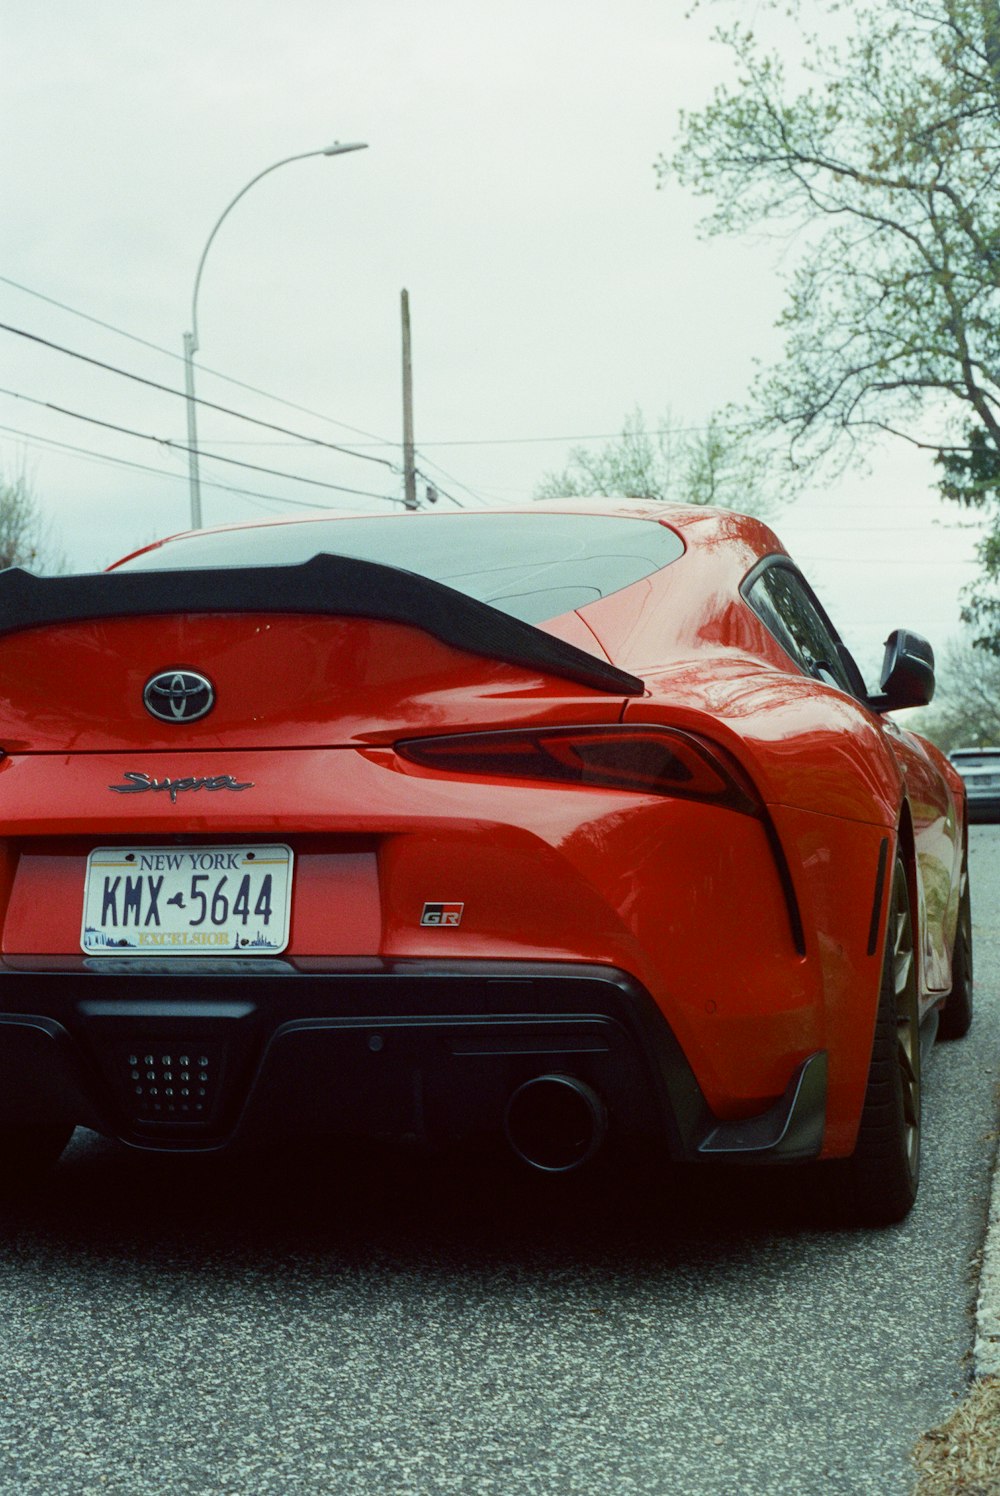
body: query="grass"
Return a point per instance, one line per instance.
(961, 1457)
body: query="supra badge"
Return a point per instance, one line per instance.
(138, 783)
(442, 914)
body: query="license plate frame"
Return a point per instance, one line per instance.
(160, 901)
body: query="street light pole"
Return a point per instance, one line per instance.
(409, 458)
(189, 349)
(191, 338)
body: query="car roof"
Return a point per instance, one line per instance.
(698, 524)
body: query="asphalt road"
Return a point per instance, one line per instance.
(388, 1325)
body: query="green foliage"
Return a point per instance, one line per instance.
(885, 164)
(715, 465)
(23, 538)
(971, 475)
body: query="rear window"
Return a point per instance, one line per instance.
(532, 566)
(970, 759)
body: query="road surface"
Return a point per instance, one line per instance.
(390, 1325)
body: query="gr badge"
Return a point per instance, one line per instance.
(442, 914)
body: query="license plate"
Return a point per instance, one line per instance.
(187, 901)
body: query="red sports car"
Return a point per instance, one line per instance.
(573, 824)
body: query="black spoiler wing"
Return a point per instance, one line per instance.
(334, 585)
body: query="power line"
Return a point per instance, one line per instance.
(375, 439)
(225, 410)
(585, 436)
(33, 438)
(183, 447)
(154, 384)
(451, 478)
(216, 373)
(433, 483)
(45, 442)
(522, 441)
(144, 467)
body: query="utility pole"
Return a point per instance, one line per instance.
(409, 471)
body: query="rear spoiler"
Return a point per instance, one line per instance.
(336, 585)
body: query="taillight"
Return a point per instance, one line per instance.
(648, 760)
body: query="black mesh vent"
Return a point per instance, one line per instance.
(170, 1081)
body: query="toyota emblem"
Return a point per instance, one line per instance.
(178, 696)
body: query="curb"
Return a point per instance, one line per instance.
(986, 1351)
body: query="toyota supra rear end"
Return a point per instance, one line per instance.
(573, 825)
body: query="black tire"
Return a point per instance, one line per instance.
(884, 1171)
(27, 1154)
(956, 1016)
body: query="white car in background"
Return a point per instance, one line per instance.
(980, 769)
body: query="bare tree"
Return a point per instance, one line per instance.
(966, 709)
(711, 465)
(24, 538)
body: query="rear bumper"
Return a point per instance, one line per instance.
(983, 806)
(204, 1055)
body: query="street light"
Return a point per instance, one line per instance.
(191, 338)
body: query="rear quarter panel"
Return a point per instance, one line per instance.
(840, 783)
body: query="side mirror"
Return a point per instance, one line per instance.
(907, 673)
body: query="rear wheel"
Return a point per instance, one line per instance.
(27, 1154)
(956, 1015)
(884, 1171)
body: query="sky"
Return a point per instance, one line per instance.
(509, 185)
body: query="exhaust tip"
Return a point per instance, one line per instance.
(555, 1123)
